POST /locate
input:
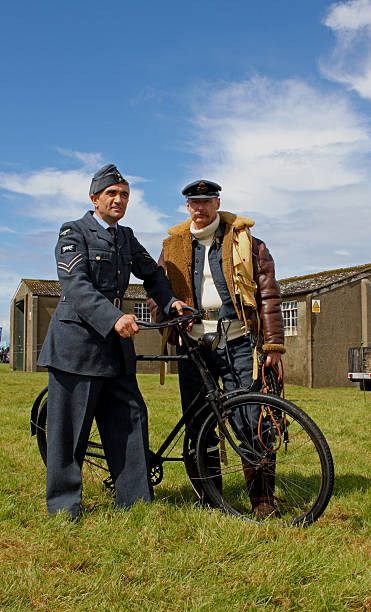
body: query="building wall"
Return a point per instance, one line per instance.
(318, 355)
(46, 307)
(37, 314)
(334, 330)
(295, 358)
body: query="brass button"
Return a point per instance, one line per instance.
(118, 291)
(97, 257)
(118, 271)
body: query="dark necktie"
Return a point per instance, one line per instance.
(112, 231)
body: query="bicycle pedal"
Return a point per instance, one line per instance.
(109, 484)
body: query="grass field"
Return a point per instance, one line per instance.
(174, 554)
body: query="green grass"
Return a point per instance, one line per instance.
(173, 554)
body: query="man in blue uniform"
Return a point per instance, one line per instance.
(89, 351)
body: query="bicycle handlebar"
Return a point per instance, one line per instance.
(171, 322)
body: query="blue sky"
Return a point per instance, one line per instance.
(271, 99)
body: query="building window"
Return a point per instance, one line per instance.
(290, 318)
(142, 311)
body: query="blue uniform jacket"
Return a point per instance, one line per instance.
(92, 273)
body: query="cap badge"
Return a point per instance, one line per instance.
(201, 187)
(119, 177)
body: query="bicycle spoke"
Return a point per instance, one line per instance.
(291, 480)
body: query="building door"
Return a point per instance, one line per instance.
(19, 334)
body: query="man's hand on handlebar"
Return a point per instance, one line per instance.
(126, 326)
(180, 306)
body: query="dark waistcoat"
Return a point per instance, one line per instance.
(216, 267)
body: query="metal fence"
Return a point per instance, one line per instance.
(359, 359)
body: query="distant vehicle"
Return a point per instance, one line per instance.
(359, 366)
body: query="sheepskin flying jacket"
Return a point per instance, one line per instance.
(176, 259)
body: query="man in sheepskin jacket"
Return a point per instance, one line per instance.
(216, 265)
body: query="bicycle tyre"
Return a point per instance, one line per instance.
(300, 472)
(94, 460)
(190, 464)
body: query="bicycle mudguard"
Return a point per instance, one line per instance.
(197, 416)
(35, 410)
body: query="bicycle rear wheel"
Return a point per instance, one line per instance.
(289, 464)
(94, 464)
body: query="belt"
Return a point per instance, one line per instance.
(210, 314)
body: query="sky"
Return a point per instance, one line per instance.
(270, 99)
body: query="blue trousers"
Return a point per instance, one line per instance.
(121, 416)
(240, 374)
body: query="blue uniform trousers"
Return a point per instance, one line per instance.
(121, 416)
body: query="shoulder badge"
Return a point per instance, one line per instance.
(68, 248)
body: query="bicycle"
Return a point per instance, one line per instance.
(287, 448)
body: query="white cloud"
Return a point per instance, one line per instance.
(49, 182)
(182, 209)
(349, 16)
(295, 159)
(141, 216)
(5, 324)
(54, 196)
(9, 282)
(267, 142)
(350, 61)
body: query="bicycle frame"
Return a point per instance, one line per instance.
(213, 394)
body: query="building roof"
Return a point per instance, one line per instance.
(51, 288)
(297, 285)
(135, 291)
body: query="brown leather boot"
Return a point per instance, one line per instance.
(262, 488)
(248, 472)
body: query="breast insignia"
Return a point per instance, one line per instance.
(65, 232)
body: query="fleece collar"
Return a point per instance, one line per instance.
(225, 217)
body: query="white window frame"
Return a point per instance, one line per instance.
(142, 311)
(290, 318)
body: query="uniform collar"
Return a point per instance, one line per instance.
(95, 226)
(103, 223)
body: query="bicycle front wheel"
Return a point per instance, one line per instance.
(285, 473)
